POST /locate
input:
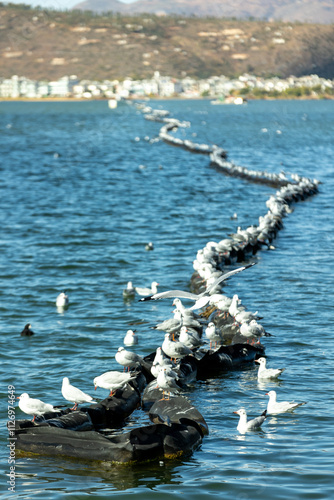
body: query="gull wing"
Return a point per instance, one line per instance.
(171, 294)
(225, 277)
(258, 421)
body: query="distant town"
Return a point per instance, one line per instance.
(217, 87)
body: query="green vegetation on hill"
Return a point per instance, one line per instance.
(47, 44)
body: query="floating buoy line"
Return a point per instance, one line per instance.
(177, 428)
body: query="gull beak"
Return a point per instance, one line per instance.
(236, 412)
(95, 387)
(256, 361)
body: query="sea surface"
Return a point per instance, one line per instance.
(83, 188)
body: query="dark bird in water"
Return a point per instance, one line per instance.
(27, 331)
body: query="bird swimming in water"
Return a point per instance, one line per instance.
(62, 300)
(130, 338)
(129, 292)
(267, 373)
(27, 331)
(274, 407)
(147, 291)
(250, 425)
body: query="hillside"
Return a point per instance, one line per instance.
(42, 44)
(314, 11)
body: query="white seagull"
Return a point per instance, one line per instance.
(251, 425)
(166, 380)
(62, 300)
(274, 407)
(129, 292)
(130, 338)
(32, 406)
(160, 362)
(246, 316)
(264, 372)
(201, 299)
(127, 358)
(189, 337)
(73, 394)
(112, 381)
(212, 334)
(148, 291)
(253, 330)
(175, 350)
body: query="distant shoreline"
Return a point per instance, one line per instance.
(74, 99)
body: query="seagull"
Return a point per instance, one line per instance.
(130, 338)
(129, 292)
(27, 331)
(175, 350)
(32, 406)
(246, 316)
(147, 291)
(189, 337)
(188, 317)
(160, 362)
(149, 246)
(62, 300)
(127, 358)
(251, 425)
(212, 334)
(264, 372)
(73, 394)
(253, 330)
(170, 325)
(112, 381)
(274, 408)
(235, 306)
(200, 299)
(166, 380)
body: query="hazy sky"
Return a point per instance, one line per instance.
(56, 4)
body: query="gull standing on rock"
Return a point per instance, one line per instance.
(32, 406)
(73, 394)
(127, 358)
(253, 330)
(189, 337)
(112, 381)
(212, 334)
(251, 425)
(175, 350)
(201, 299)
(274, 407)
(267, 373)
(166, 380)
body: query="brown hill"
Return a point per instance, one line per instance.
(314, 11)
(41, 44)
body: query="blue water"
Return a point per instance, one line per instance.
(82, 189)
